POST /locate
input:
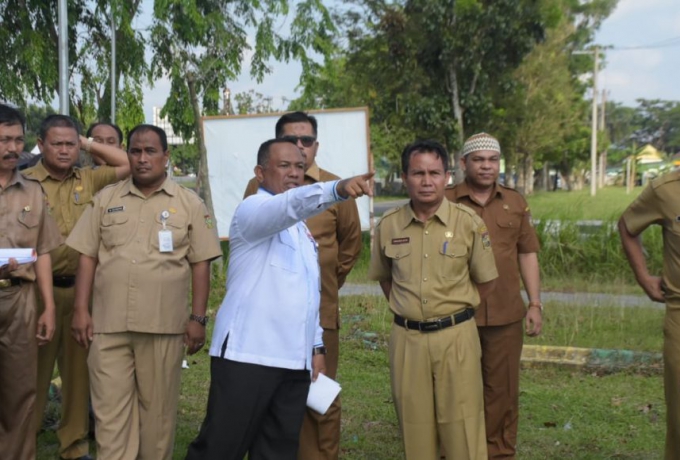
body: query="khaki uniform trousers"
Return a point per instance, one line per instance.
(320, 434)
(71, 361)
(671, 359)
(135, 381)
(437, 391)
(18, 371)
(501, 354)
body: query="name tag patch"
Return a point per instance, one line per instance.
(401, 240)
(116, 209)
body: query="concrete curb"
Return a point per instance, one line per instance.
(587, 358)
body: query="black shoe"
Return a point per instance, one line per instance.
(84, 457)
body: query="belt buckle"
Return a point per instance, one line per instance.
(5, 283)
(432, 326)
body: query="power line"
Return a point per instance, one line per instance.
(666, 43)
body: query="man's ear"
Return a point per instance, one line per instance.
(259, 173)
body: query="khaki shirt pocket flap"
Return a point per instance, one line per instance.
(397, 251)
(117, 218)
(29, 219)
(454, 250)
(175, 220)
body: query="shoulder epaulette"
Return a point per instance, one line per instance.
(665, 179)
(388, 213)
(464, 208)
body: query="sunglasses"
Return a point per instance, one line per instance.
(306, 141)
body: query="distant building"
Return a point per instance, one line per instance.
(163, 123)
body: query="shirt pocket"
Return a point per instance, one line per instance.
(178, 225)
(284, 254)
(401, 260)
(81, 198)
(29, 225)
(509, 224)
(114, 231)
(455, 261)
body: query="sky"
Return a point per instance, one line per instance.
(650, 73)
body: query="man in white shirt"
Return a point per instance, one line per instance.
(267, 336)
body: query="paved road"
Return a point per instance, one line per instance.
(576, 298)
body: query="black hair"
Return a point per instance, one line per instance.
(294, 117)
(11, 116)
(265, 149)
(424, 146)
(57, 120)
(144, 128)
(104, 123)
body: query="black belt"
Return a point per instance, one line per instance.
(431, 326)
(9, 282)
(63, 281)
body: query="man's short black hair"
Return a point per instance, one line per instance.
(294, 117)
(265, 149)
(144, 128)
(57, 121)
(11, 116)
(424, 146)
(104, 123)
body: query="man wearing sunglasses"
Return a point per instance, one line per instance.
(337, 231)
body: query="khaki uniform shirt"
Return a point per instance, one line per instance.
(507, 217)
(659, 204)
(337, 231)
(67, 200)
(25, 221)
(137, 288)
(433, 264)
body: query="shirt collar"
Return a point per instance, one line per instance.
(463, 190)
(40, 172)
(408, 216)
(17, 179)
(168, 186)
(313, 172)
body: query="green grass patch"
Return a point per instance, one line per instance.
(608, 203)
(564, 414)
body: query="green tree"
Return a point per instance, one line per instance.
(29, 33)
(200, 45)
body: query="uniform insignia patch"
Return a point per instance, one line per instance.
(208, 221)
(484, 233)
(115, 209)
(448, 234)
(401, 240)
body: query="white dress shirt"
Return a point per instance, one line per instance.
(270, 315)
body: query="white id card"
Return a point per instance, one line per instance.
(165, 241)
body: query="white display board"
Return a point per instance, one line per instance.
(232, 143)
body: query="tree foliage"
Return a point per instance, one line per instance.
(30, 35)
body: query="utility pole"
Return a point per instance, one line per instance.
(113, 65)
(63, 57)
(593, 137)
(603, 128)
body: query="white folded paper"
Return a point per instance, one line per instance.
(322, 393)
(22, 255)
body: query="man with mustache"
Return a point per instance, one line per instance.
(69, 191)
(24, 223)
(267, 337)
(141, 242)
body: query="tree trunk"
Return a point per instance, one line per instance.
(458, 114)
(202, 183)
(545, 179)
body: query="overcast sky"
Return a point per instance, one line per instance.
(652, 73)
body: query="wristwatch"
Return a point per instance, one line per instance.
(538, 305)
(319, 350)
(202, 320)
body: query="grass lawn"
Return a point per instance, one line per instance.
(565, 414)
(608, 203)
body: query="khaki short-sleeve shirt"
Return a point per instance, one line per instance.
(137, 287)
(25, 222)
(337, 231)
(67, 200)
(433, 265)
(507, 216)
(659, 204)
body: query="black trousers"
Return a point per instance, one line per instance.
(252, 409)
